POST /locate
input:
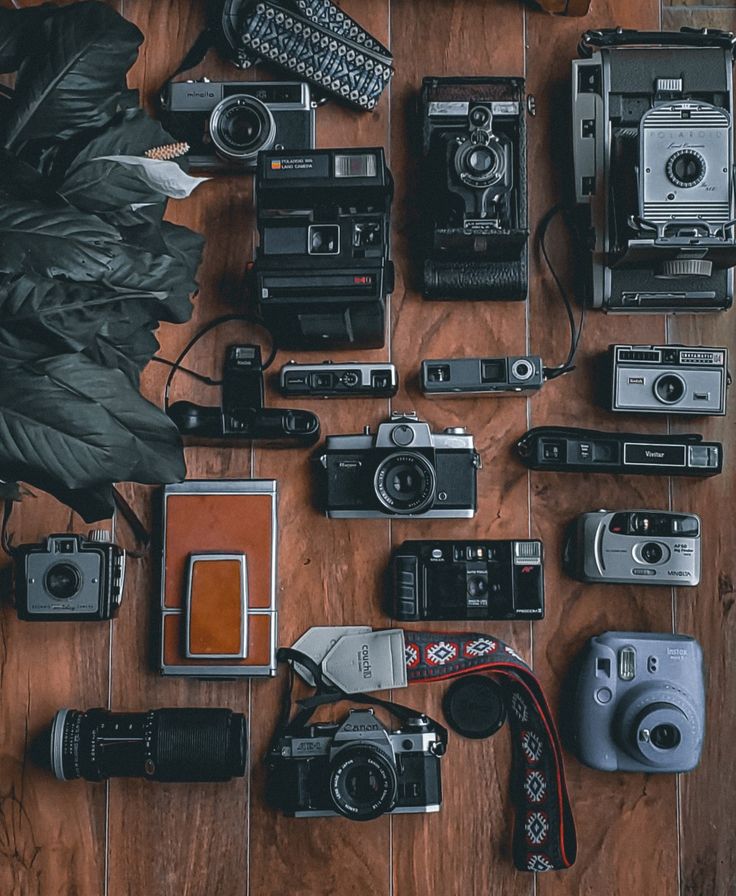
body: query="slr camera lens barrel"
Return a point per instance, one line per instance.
(161, 745)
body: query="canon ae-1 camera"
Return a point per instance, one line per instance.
(639, 703)
(227, 123)
(69, 577)
(482, 376)
(667, 379)
(358, 769)
(654, 168)
(644, 547)
(404, 470)
(474, 173)
(468, 580)
(322, 270)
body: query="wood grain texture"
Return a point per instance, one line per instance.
(197, 840)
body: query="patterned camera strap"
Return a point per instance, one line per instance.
(544, 829)
(316, 41)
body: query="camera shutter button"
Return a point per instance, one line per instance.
(402, 435)
(455, 431)
(101, 536)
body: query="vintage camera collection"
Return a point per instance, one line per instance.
(656, 125)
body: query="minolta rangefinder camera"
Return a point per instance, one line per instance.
(666, 379)
(640, 703)
(227, 123)
(482, 376)
(644, 547)
(69, 577)
(475, 224)
(654, 168)
(358, 769)
(404, 470)
(322, 271)
(468, 580)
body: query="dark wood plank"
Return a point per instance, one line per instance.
(626, 823)
(330, 574)
(470, 839)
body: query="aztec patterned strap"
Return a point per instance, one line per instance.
(316, 41)
(544, 830)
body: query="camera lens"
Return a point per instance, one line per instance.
(161, 745)
(63, 580)
(241, 126)
(652, 552)
(480, 164)
(522, 370)
(686, 168)
(669, 388)
(665, 737)
(363, 783)
(477, 586)
(404, 483)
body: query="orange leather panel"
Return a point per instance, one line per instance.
(216, 608)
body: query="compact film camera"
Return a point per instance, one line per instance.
(474, 170)
(69, 577)
(404, 470)
(227, 123)
(640, 703)
(644, 547)
(322, 271)
(511, 375)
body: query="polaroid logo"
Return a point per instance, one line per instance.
(649, 453)
(676, 651)
(364, 662)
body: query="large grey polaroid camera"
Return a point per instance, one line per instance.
(653, 152)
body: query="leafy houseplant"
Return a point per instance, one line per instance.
(88, 266)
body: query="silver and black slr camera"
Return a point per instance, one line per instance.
(475, 217)
(644, 547)
(654, 168)
(227, 123)
(69, 577)
(468, 580)
(404, 470)
(666, 379)
(640, 703)
(359, 769)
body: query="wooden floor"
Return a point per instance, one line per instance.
(637, 834)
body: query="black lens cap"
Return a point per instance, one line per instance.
(474, 706)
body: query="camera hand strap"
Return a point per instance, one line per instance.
(544, 830)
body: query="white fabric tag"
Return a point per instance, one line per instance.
(369, 661)
(317, 641)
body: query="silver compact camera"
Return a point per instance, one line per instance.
(646, 547)
(227, 123)
(667, 379)
(640, 703)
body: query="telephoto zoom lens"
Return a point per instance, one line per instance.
(161, 745)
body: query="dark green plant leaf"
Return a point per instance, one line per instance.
(55, 242)
(76, 77)
(17, 29)
(103, 186)
(18, 180)
(127, 351)
(76, 425)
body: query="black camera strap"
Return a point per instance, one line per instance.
(313, 40)
(544, 829)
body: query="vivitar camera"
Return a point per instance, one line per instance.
(69, 577)
(667, 379)
(474, 171)
(404, 470)
(322, 271)
(358, 769)
(646, 547)
(227, 123)
(640, 703)
(654, 168)
(468, 580)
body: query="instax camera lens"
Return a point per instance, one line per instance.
(63, 581)
(665, 737)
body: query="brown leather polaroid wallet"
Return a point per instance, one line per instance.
(218, 579)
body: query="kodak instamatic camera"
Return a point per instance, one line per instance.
(218, 579)
(646, 547)
(640, 703)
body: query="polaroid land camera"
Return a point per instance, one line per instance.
(640, 703)
(653, 154)
(474, 188)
